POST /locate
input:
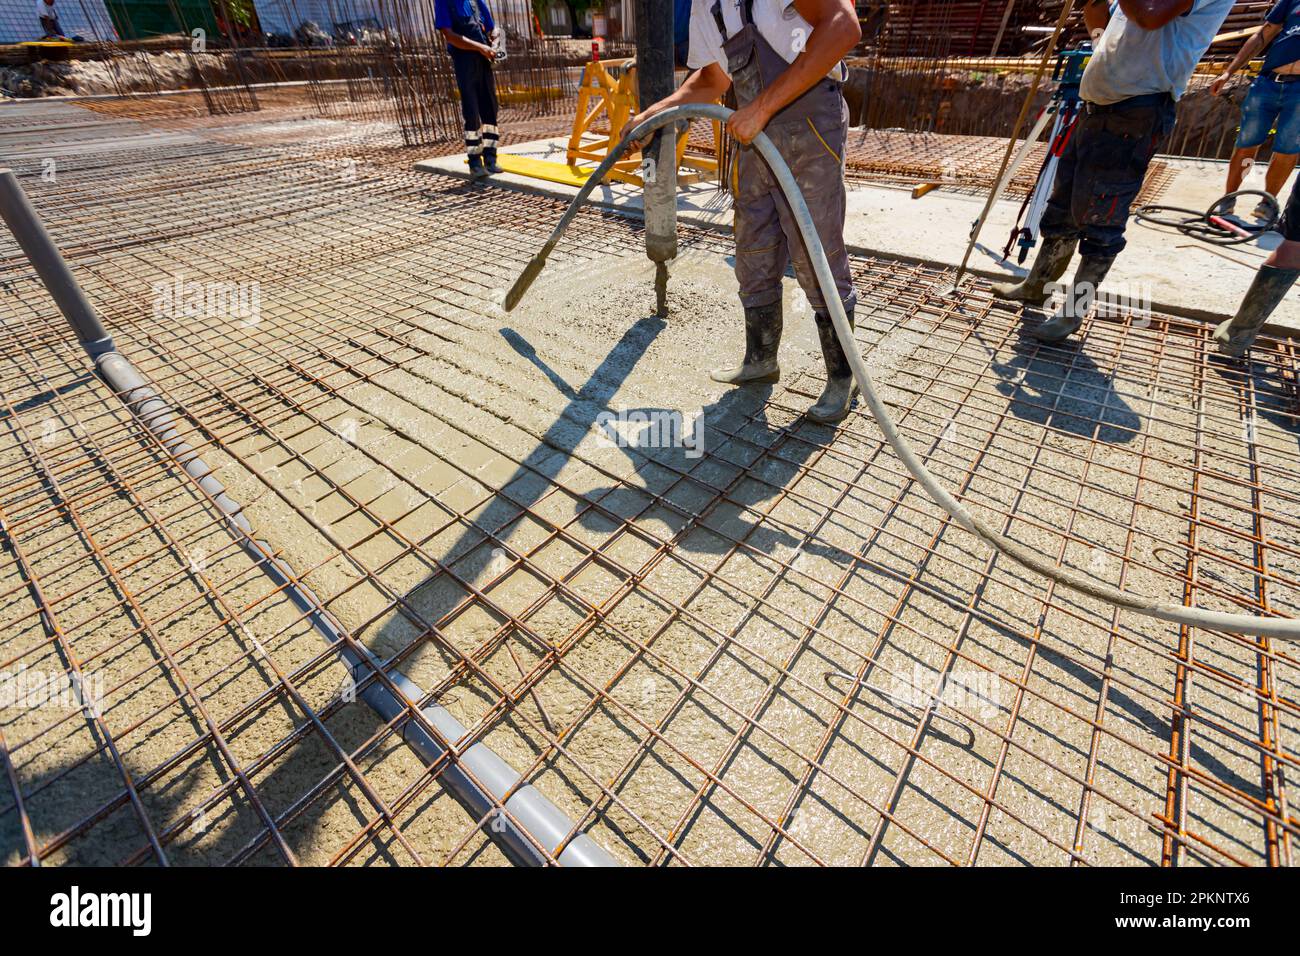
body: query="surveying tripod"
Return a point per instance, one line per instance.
(1062, 110)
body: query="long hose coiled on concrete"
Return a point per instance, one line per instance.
(1213, 226)
(1285, 628)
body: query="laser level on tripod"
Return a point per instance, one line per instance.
(1062, 110)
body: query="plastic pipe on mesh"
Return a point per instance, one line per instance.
(477, 777)
(18, 214)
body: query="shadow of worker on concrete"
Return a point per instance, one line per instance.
(715, 465)
(1262, 380)
(1062, 388)
(706, 491)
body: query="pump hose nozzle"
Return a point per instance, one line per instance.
(1285, 628)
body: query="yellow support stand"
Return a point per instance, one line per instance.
(608, 90)
(543, 169)
(607, 94)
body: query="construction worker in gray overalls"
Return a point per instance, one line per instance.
(783, 58)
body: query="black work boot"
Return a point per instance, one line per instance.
(762, 341)
(1079, 296)
(476, 170)
(490, 161)
(1048, 267)
(1265, 293)
(840, 388)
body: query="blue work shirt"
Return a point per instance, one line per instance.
(1286, 45)
(470, 18)
(681, 30)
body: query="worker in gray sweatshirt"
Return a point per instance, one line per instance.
(1144, 53)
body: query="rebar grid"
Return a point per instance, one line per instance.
(959, 163)
(729, 659)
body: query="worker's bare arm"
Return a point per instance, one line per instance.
(835, 31)
(702, 86)
(1249, 50)
(465, 43)
(1285, 256)
(1096, 14)
(1153, 14)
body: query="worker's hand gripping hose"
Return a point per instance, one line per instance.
(1286, 628)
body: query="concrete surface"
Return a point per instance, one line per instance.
(1175, 273)
(399, 437)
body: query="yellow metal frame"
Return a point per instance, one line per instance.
(608, 89)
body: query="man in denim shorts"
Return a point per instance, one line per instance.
(1273, 101)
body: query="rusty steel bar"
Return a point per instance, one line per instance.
(481, 779)
(821, 545)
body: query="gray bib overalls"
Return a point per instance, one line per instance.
(810, 134)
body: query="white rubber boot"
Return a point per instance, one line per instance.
(1068, 318)
(1050, 264)
(1271, 285)
(837, 397)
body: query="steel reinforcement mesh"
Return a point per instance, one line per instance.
(764, 647)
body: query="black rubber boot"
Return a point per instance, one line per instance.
(490, 161)
(1079, 297)
(1050, 264)
(1264, 295)
(476, 170)
(762, 341)
(837, 396)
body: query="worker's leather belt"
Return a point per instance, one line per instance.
(1146, 99)
(1284, 77)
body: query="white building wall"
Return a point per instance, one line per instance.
(85, 18)
(284, 16)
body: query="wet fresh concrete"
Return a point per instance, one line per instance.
(1173, 272)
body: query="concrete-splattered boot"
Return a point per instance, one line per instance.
(1048, 267)
(1079, 297)
(1264, 295)
(840, 388)
(762, 341)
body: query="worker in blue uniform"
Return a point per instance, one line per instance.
(469, 30)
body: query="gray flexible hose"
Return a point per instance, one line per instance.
(1285, 628)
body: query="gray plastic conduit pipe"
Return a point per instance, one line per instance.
(1285, 628)
(477, 777)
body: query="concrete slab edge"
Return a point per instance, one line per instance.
(538, 187)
